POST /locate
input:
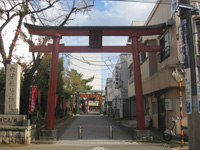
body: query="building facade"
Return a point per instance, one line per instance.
(108, 97)
(120, 88)
(160, 90)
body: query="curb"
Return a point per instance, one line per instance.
(180, 149)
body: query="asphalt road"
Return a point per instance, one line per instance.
(95, 136)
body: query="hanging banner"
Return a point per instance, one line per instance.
(184, 58)
(56, 100)
(33, 99)
(66, 104)
(61, 104)
(183, 44)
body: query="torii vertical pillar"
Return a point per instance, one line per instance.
(138, 84)
(87, 104)
(77, 104)
(50, 115)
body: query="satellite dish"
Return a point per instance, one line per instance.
(178, 74)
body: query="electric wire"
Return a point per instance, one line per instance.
(108, 68)
(89, 63)
(91, 57)
(88, 69)
(116, 56)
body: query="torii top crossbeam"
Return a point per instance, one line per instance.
(106, 30)
(95, 34)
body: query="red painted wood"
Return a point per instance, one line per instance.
(122, 32)
(81, 49)
(87, 104)
(138, 85)
(131, 32)
(106, 30)
(150, 48)
(50, 115)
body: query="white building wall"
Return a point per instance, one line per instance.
(89, 64)
(121, 93)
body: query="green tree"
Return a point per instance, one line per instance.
(78, 83)
(16, 12)
(41, 80)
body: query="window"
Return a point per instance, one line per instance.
(143, 56)
(154, 108)
(131, 70)
(164, 42)
(198, 35)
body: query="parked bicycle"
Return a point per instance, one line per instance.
(169, 133)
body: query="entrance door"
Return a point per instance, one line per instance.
(161, 112)
(126, 108)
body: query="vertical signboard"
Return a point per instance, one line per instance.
(33, 99)
(198, 90)
(188, 91)
(174, 6)
(184, 58)
(12, 99)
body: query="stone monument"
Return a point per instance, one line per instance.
(12, 99)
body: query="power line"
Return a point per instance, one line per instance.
(89, 63)
(88, 69)
(108, 67)
(98, 57)
(90, 57)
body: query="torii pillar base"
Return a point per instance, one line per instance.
(142, 135)
(48, 136)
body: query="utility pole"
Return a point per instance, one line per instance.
(190, 68)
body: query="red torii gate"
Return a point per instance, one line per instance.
(95, 33)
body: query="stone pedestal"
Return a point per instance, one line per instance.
(143, 135)
(12, 120)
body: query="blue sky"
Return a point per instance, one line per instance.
(109, 13)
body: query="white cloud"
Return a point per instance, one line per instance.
(109, 13)
(114, 14)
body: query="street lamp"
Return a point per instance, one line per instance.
(178, 75)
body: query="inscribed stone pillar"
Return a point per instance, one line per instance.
(12, 101)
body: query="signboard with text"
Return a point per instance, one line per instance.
(184, 58)
(174, 7)
(33, 99)
(12, 98)
(90, 95)
(188, 91)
